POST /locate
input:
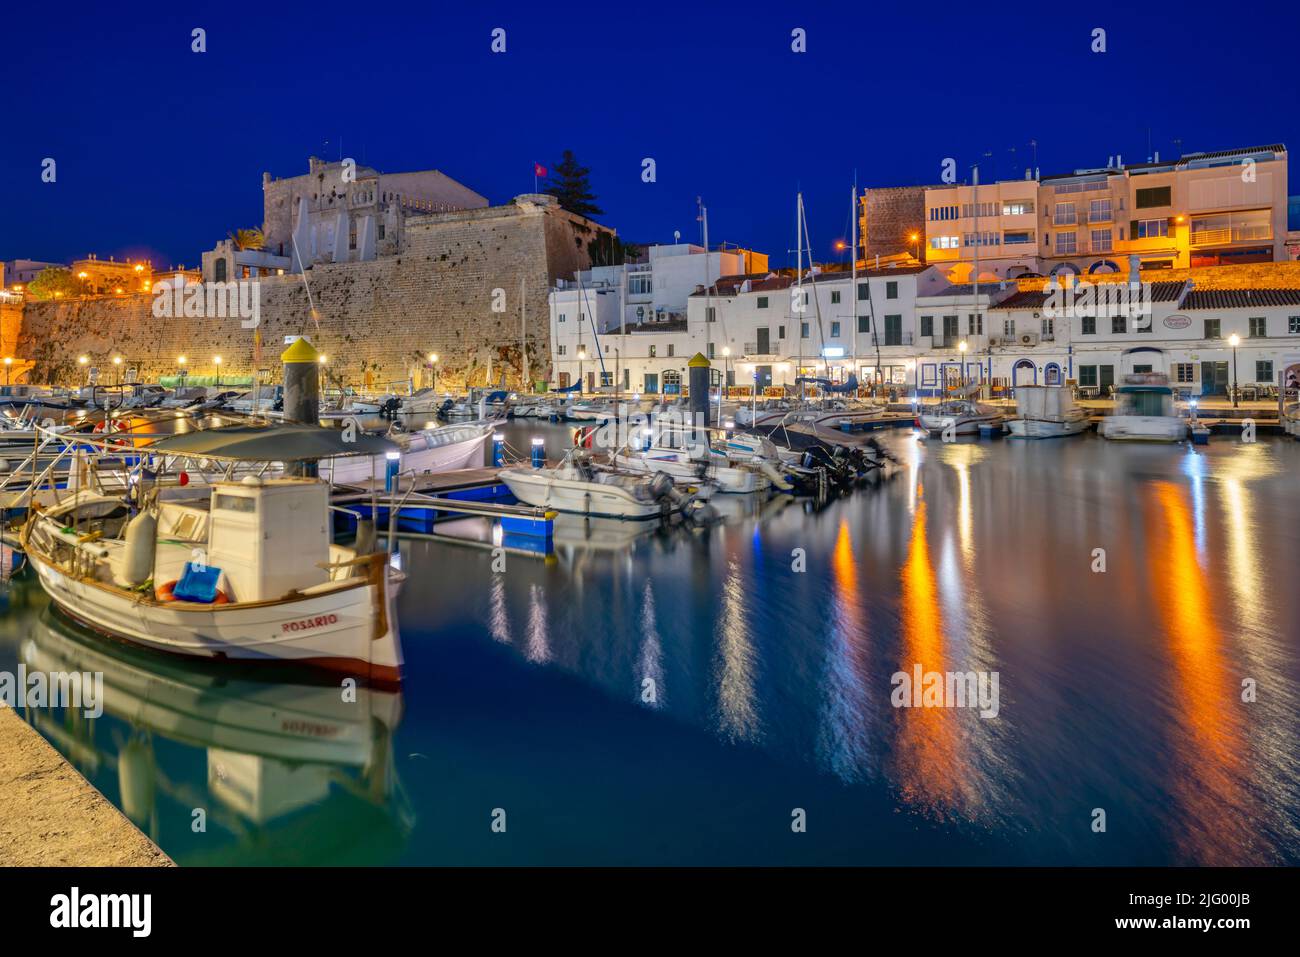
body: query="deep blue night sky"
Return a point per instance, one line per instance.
(160, 150)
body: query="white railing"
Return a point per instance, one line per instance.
(1233, 234)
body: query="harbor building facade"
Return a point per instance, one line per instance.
(911, 332)
(1228, 207)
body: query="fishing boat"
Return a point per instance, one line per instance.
(440, 449)
(1045, 412)
(1144, 411)
(961, 416)
(242, 569)
(579, 485)
(694, 466)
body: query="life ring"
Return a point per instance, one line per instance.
(166, 593)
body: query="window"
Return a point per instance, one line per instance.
(561, 349)
(606, 378)
(1293, 324)
(1047, 326)
(945, 242)
(980, 239)
(975, 324)
(835, 330)
(672, 350)
(803, 330)
(835, 297)
(1258, 327)
(652, 352)
(950, 327)
(1119, 325)
(893, 330)
(1155, 196)
(864, 291)
(780, 332)
(1099, 211)
(710, 313)
(352, 238)
(1213, 329)
(1017, 239)
(940, 213)
(1184, 372)
(969, 210)
(1101, 240)
(1017, 207)
(927, 325)
(1065, 215)
(1263, 370)
(639, 284)
(762, 302)
(1009, 327)
(711, 352)
(1088, 325)
(381, 230)
(864, 323)
(1088, 375)
(221, 270)
(1151, 228)
(891, 290)
(1067, 242)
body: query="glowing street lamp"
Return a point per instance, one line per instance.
(1234, 340)
(433, 370)
(9, 361)
(216, 360)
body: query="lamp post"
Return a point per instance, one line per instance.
(433, 370)
(726, 367)
(84, 361)
(582, 354)
(961, 349)
(216, 361)
(1234, 340)
(916, 246)
(117, 369)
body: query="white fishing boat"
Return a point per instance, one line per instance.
(767, 412)
(1144, 411)
(579, 485)
(961, 416)
(263, 398)
(269, 583)
(1045, 412)
(440, 449)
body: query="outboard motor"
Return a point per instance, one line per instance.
(389, 409)
(445, 408)
(661, 485)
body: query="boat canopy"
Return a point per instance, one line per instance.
(285, 442)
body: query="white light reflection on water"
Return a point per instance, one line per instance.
(736, 663)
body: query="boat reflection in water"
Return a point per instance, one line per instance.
(283, 758)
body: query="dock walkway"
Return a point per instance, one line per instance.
(52, 816)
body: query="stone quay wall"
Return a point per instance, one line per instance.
(376, 321)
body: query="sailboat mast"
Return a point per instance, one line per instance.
(798, 282)
(853, 287)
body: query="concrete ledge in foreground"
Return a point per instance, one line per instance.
(51, 816)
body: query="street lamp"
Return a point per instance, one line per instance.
(216, 360)
(433, 370)
(726, 367)
(1234, 340)
(961, 348)
(915, 239)
(582, 354)
(117, 367)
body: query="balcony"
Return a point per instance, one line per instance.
(1065, 219)
(1234, 234)
(1101, 216)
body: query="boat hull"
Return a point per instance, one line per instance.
(350, 629)
(427, 459)
(539, 489)
(688, 472)
(1143, 428)
(961, 424)
(1022, 428)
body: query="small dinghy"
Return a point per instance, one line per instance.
(579, 485)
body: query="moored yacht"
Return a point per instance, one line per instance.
(579, 485)
(962, 416)
(1144, 411)
(1045, 412)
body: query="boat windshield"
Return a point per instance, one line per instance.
(1150, 402)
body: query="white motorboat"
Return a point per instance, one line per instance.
(1045, 412)
(767, 412)
(264, 398)
(579, 485)
(961, 416)
(1144, 411)
(441, 449)
(698, 465)
(269, 584)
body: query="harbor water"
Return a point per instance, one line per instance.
(672, 695)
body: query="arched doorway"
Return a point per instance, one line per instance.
(1024, 372)
(1064, 269)
(1051, 374)
(1103, 265)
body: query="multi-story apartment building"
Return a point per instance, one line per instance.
(1204, 209)
(997, 223)
(15, 274)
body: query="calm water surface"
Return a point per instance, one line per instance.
(662, 695)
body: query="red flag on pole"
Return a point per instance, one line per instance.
(539, 169)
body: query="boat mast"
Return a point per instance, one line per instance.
(798, 282)
(853, 286)
(975, 272)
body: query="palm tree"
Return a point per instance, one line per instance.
(248, 239)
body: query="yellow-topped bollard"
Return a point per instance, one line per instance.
(699, 383)
(302, 389)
